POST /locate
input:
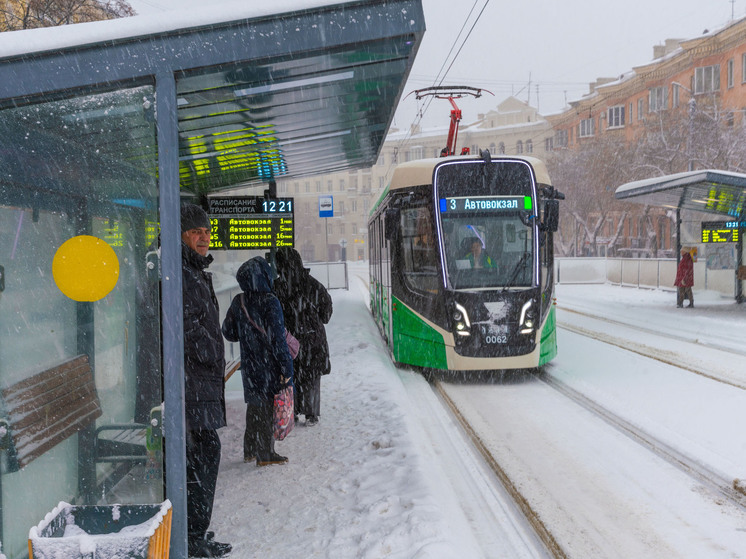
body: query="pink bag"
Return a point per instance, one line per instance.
(284, 417)
(293, 343)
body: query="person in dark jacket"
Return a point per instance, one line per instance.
(204, 364)
(255, 320)
(307, 306)
(684, 279)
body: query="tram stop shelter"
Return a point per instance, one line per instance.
(104, 128)
(721, 193)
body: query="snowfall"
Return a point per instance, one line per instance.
(388, 472)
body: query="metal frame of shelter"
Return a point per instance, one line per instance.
(236, 104)
(710, 191)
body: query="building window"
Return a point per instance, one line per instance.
(560, 139)
(329, 185)
(502, 148)
(743, 68)
(658, 99)
(548, 144)
(675, 95)
(616, 116)
(341, 185)
(318, 186)
(707, 79)
(381, 162)
(308, 186)
(297, 187)
(640, 108)
(415, 153)
(519, 147)
(529, 146)
(731, 79)
(586, 128)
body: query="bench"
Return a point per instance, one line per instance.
(43, 410)
(46, 408)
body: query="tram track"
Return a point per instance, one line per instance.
(732, 489)
(542, 532)
(663, 356)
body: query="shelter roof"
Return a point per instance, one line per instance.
(258, 94)
(713, 191)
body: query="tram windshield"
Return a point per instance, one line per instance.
(487, 232)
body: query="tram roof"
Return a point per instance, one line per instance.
(421, 171)
(712, 191)
(286, 90)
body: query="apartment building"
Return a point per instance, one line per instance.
(512, 128)
(695, 80)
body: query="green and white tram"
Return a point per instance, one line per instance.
(461, 263)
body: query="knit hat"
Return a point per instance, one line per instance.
(193, 217)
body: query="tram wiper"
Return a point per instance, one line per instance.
(514, 274)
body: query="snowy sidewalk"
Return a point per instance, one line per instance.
(356, 485)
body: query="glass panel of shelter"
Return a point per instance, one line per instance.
(67, 221)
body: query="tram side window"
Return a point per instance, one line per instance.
(419, 249)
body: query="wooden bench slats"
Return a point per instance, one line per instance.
(48, 407)
(49, 377)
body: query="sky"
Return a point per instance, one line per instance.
(544, 52)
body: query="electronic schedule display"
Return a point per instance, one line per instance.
(251, 222)
(721, 231)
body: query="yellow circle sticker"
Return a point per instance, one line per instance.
(85, 268)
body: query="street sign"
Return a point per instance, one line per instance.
(326, 206)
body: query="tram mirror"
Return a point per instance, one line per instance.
(391, 223)
(551, 215)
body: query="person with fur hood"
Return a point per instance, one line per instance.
(307, 306)
(255, 320)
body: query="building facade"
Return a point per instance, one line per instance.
(692, 97)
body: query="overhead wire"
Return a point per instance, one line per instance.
(421, 113)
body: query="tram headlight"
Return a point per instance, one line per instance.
(527, 322)
(461, 321)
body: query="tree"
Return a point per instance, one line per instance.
(589, 176)
(31, 14)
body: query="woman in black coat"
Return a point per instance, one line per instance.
(266, 365)
(307, 306)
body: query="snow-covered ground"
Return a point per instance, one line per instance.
(386, 473)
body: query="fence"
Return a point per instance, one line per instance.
(655, 273)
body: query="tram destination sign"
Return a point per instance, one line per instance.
(486, 204)
(251, 222)
(721, 231)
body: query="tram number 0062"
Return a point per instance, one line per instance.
(496, 339)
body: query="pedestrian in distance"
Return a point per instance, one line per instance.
(255, 320)
(684, 279)
(204, 365)
(307, 306)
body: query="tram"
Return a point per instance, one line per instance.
(461, 263)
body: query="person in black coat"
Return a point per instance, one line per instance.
(204, 365)
(255, 320)
(307, 306)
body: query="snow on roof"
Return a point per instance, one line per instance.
(17, 43)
